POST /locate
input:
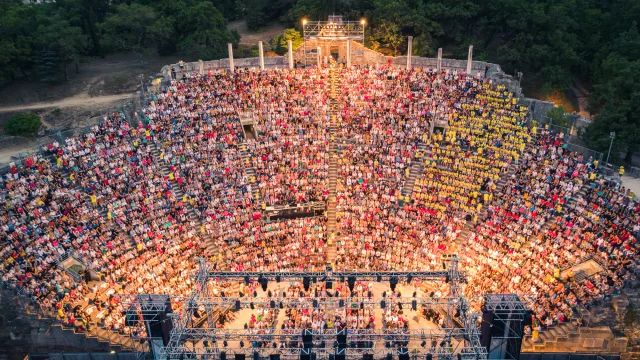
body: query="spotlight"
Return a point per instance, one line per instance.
(225, 344)
(351, 281)
(423, 343)
(241, 343)
(393, 281)
(263, 282)
(251, 306)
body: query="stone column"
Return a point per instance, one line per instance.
(439, 60)
(290, 46)
(319, 56)
(469, 59)
(409, 50)
(261, 55)
(348, 53)
(231, 67)
(201, 67)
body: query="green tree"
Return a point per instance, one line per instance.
(616, 101)
(86, 14)
(23, 125)
(16, 38)
(256, 16)
(47, 66)
(281, 45)
(134, 28)
(204, 33)
(67, 42)
(388, 34)
(558, 116)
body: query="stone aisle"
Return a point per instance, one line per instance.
(333, 165)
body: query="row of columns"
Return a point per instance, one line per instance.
(438, 63)
(290, 56)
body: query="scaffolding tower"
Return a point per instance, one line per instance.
(330, 38)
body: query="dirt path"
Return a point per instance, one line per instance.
(250, 38)
(78, 100)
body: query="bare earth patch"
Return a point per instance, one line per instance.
(250, 38)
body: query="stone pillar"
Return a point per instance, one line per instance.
(409, 50)
(319, 56)
(348, 53)
(469, 59)
(201, 67)
(290, 46)
(261, 55)
(439, 60)
(231, 67)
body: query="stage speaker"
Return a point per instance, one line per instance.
(403, 354)
(367, 356)
(485, 328)
(240, 356)
(502, 333)
(274, 356)
(389, 356)
(256, 356)
(340, 356)
(307, 354)
(307, 339)
(429, 356)
(161, 327)
(223, 355)
(342, 339)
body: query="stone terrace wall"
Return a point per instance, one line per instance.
(192, 67)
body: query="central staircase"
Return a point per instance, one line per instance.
(244, 153)
(333, 166)
(422, 154)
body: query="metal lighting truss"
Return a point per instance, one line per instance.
(328, 30)
(187, 341)
(446, 353)
(329, 303)
(334, 276)
(509, 311)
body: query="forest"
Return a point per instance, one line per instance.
(556, 44)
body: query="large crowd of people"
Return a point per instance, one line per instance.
(137, 200)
